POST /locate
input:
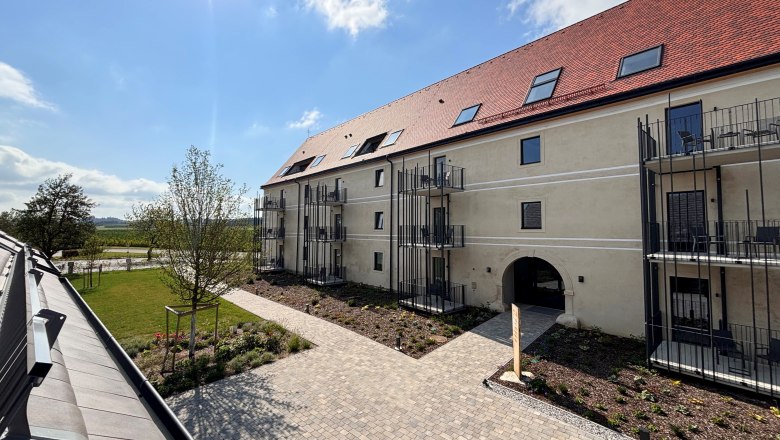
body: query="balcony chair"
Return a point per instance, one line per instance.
(772, 352)
(689, 140)
(724, 344)
(766, 130)
(766, 236)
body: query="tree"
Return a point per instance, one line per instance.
(57, 217)
(146, 219)
(91, 251)
(203, 247)
(8, 222)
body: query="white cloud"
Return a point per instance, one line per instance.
(308, 120)
(552, 15)
(17, 87)
(256, 129)
(20, 175)
(351, 15)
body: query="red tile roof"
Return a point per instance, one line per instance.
(698, 36)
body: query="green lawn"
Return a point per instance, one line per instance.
(131, 305)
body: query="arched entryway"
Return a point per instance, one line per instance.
(535, 281)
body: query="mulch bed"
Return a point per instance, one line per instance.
(369, 311)
(603, 378)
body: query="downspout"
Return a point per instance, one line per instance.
(390, 266)
(298, 229)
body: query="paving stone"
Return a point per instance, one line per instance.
(349, 386)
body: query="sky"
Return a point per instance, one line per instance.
(114, 92)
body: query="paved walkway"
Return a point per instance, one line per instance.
(350, 387)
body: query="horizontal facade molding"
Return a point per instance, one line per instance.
(555, 182)
(618, 240)
(543, 176)
(552, 246)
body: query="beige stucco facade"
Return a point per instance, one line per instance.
(588, 184)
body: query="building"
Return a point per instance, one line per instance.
(572, 172)
(62, 374)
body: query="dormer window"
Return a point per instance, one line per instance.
(640, 61)
(371, 144)
(392, 138)
(284, 171)
(543, 86)
(467, 114)
(349, 152)
(298, 167)
(317, 161)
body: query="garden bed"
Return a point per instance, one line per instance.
(369, 311)
(603, 378)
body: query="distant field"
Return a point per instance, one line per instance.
(120, 237)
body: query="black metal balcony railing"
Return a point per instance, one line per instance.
(270, 203)
(739, 355)
(325, 274)
(272, 263)
(436, 178)
(735, 242)
(431, 296)
(326, 196)
(272, 233)
(327, 233)
(438, 237)
(736, 127)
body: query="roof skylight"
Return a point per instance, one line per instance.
(283, 172)
(299, 166)
(392, 138)
(543, 86)
(467, 114)
(317, 161)
(349, 152)
(640, 61)
(371, 144)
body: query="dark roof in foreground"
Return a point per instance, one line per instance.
(701, 39)
(93, 390)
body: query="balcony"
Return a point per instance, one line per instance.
(436, 180)
(268, 265)
(728, 243)
(269, 203)
(448, 237)
(272, 233)
(436, 297)
(328, 234)
(704, 140)
(741, 356)
(324, 196)
(330, 275)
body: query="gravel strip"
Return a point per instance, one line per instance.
(554, 411)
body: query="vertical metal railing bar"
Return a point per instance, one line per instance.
(752, 288)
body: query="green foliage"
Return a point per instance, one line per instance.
(641, 415)
(720, 421)
(677, 430)
(647, 395)
(656, 409)
(682, 409)
(57, 217)
(120, 237)
(563, 388)
(294, 344)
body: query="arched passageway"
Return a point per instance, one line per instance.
(535, 281)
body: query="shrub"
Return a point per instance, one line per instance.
(294, 344)
(622, 390)
(656, 409)
(351, 302)
(584, 392)
(600, 407)
(273, 345)
(647, 395)
(620, 399)
(538, 385)
(640, 415)
(720, 421)
(682, 409)
(563, 388)
(137, 345)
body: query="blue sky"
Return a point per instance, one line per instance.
(116, 91)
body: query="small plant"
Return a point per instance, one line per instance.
(727, 399)
(620, 399)
(563, 388)
(652, 428)
(759, 417)
(538, 385)
(584, 392)
(682, 409)
(351, 302)
(676, 383)
(600, 407)
(677, 430)
(775, 410)
(579, 401)
(696, 401)
(613, 378)
(647, 395)
(656, 409)
(720, 421)
(622, 390)
(639, 381)
(743, 429)
(694, 428)
(294, 344)
(667, 392)
(641, 415)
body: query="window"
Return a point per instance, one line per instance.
(298, 167)
(349, 152)
(283, 172)
(530, 150)
(371, 144)
(467, 115)
(378, 259)
(532, 215)
(392, 138)
(317, 161)
(684, 123)
(379, 178)
(379, 220)
(543, 86)
(640, 61)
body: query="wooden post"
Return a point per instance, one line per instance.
(516, 345)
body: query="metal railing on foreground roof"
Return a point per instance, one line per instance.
(26, 340)
(730, 128)
(431, 295)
